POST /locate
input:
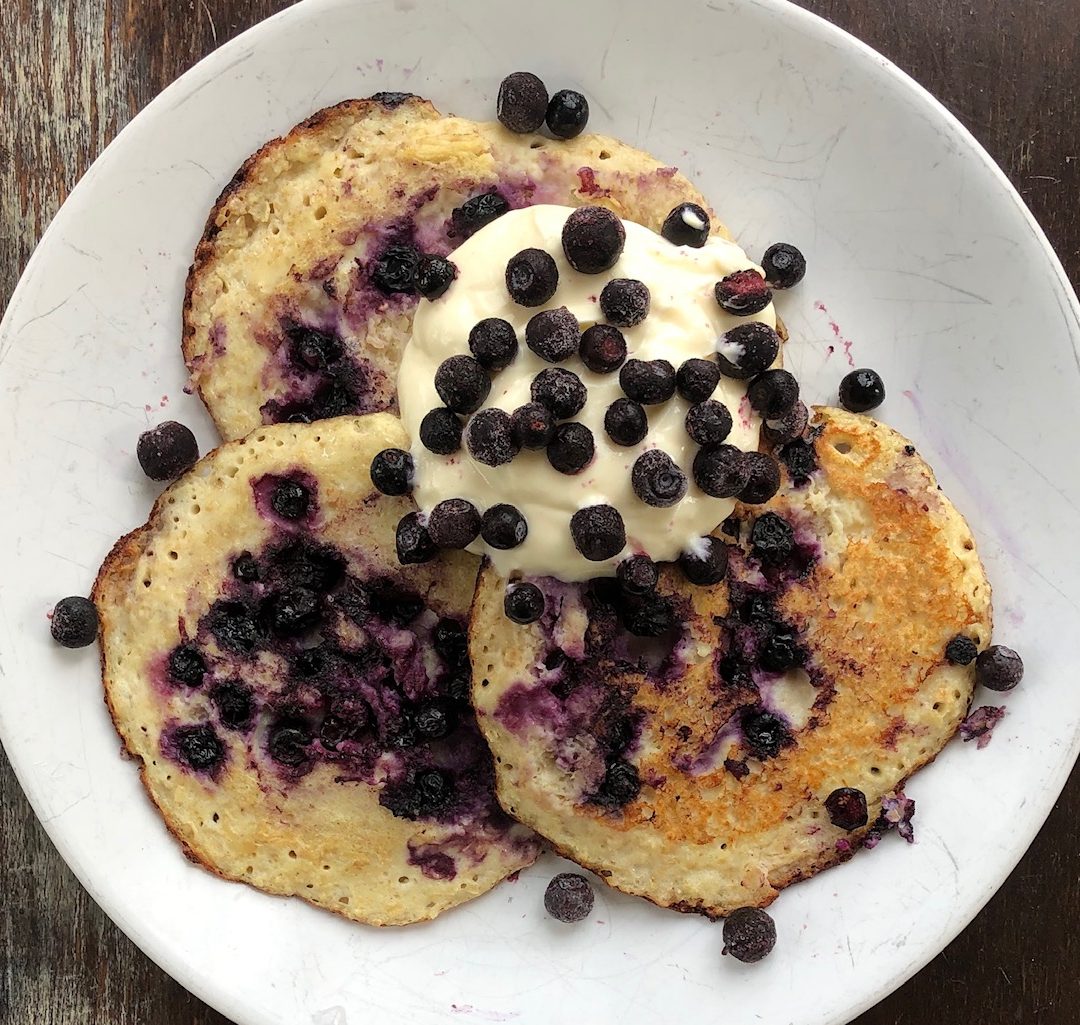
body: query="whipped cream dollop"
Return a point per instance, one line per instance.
(684, 321)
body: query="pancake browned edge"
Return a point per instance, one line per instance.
(281, 319)
(298, 762)
(735, 761)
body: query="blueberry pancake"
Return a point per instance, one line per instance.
(301, 295)
(747, 734)
(297, 701)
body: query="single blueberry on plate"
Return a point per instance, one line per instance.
(532, 277)
(763, 478)
(593, 239)
(554, 335)
(394, 270)
(743, 293)
(626, 422)
(413, 542)
(657, 480)
(523, 603)
(569, 897)
(392, 471)
(862, 390)
(434, 275)
(784, 265)
(440, 431)
(571, 448)
(74, 622)
(749, 934)
(559, 390)
(721, 471)
(649, 382)
(686, 225)
(187, 666)
(598, 532)
(199, 747)
(522, 102)
(602, 348)
(490, 437)
(998, 668)
(533, 425)
(567, 114)
(494, 343)
(708, 422)
(638, 575)
(847, 808)
(166, 451)
(454, 523)
(462, 383)
(503, 527)
(625, 302)
(747, 350)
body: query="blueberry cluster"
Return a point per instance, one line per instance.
(404, 269)
(523, 106)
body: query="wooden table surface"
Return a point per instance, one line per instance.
(73, 72)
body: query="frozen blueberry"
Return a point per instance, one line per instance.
(234, 703)
(454, 523)
(476, 213)
(625, 301)
(74, 622)
(490, 437)
(434, 275)
(800, 459)
(720, 471)
(621, 784)
(245, 568)
(166, 451)
(434, 720)
(749, 934)
(290, 499)
(531, 277)
(523, 603)
(392, 471)
(625, 422)
(395, 270)
(313, 349)
(743, 293)
(787, 427)
(187, 666)
(568, 897)
(602, 348)
(462, 383)
(288, 742)
(772, 538)
(998, 668)
(414, 544)
(638, 575)
(784, 265)
(708, 422)
(706, 563)
(765, 733)
(290, 612)
(559, 390)
(657, 480)
(571, 448)
(533, 425)
(847, 808)
(567, 114)
(747, 350)
(598, 532)
(440, 431)
(686, 225)
(199, 747)
(503, 527)
(493, 342)
(422, 793)
(862, 390)
(593, 239)
(961, 650)
(234, 626)
(522, 102)
(697, 379)
(773, 393)
(554, 335)
(649, 382)
(764, 478)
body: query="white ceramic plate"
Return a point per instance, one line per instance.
(923, 264)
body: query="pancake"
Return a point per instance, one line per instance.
(282, 320)
(296, 700)
(693, 768)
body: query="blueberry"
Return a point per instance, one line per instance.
(392, 471)
(743, 293)
(998, 668)
(199, 747)
(312, 349)
(657, 480)
(764, 478)
(490, 437)
(234, 705)
(166, 451)
(333, 398)
(531, 277)
(602, 348)
(747, 350)
(462, 383)
(862, 390)
(697, 379)
(593, 239)
(568, 897)
(421, 794)
(288, 742)
(638, 575)
(290, 499)
(245, 568)
(787, 427)
(686, 225)
(233, 626)
(708, 422)
(440, 431)
(773, 393)
(961, 650)
(348, 720)
(522, 102)
(523, 603)
(291, 612)
(451, 642)
(625, 422)
(651, 616)
(772, 539)
(554, 335)
(800, 459)
(533, 425)
(571, 448)
(493, 342)
(781, 652)
(74, 622)
(303, 564)
(706, 563)
(784, 265)
(187, 666)
(625, 302)
(847, 808)
(503, 527)
(649, 382)
(394, 270)
(413, 542)
(720, 471)
(749, 934)
(353, 602)
(765, 733)
(476, 213)
(620, 785)
(392, 100)
(598, 532)
(567, 114)
(434, 720)
(434, 275)
(559, 390)
(454, 523)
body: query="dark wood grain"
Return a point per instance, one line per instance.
(73, 72)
